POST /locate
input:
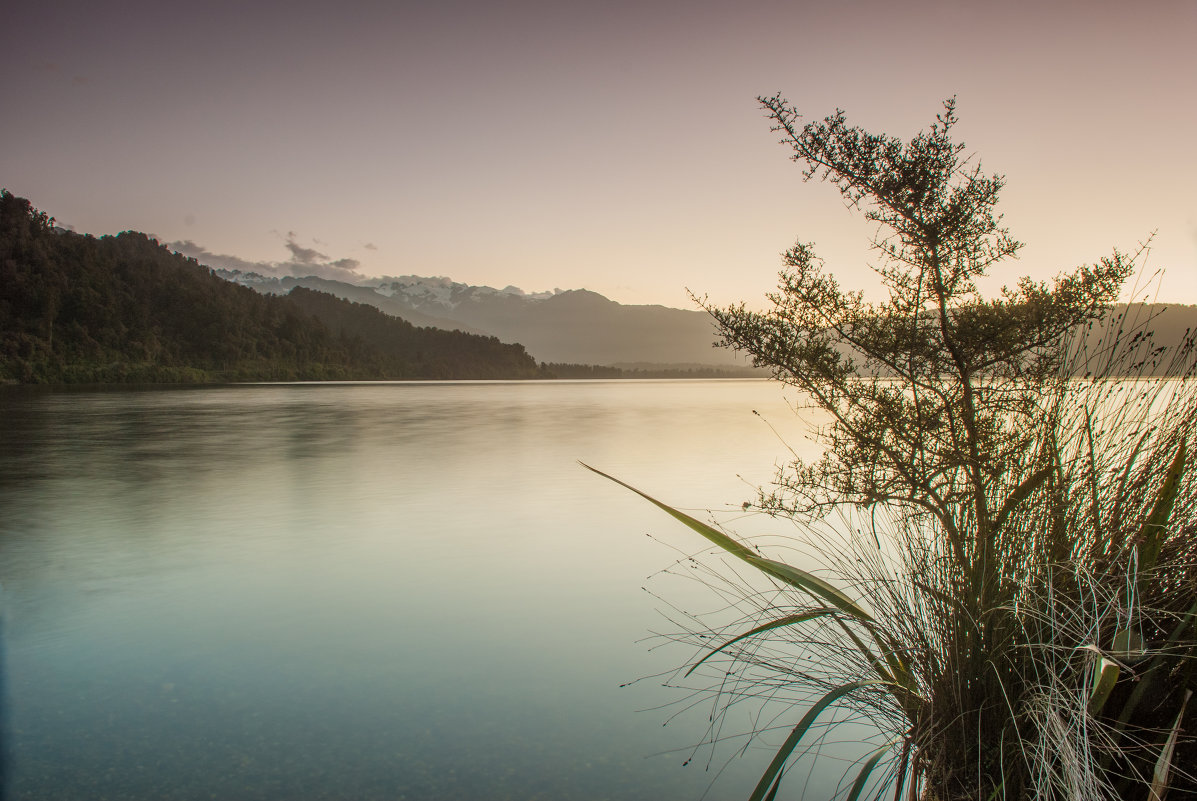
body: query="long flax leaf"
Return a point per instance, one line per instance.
(788, 620)
(783, 572)
(791, 742)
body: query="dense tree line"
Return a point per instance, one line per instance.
(77, 308)
(378, 339)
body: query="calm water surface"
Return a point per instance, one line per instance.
(353, 591)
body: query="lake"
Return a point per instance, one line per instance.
(366, 591)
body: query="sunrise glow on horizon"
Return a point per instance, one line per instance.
(614, 147)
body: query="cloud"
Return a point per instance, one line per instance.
(303, 262)
(216, 260)
(301, 254)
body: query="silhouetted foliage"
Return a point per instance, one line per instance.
(1034, 605)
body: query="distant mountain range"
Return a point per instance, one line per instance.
(575, 328)
(76, 308)
(572, 326)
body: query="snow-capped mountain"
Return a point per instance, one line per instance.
(444, 292)
(570, 326)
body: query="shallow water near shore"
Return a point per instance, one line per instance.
(369, 591)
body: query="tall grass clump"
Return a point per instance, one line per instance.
(998, 547)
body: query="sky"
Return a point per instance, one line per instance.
(614, 146)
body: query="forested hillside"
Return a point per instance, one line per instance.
(76, 308)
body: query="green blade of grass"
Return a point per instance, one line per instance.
(896, 678)
(863, 777)
(1105, 676)
(776, 786)
(1094, 491)
(1154, 528)
(869, 656)
(788, 620)
(812, 584)
(787, 748)
(899, 668)
(1163, 766)
(1127, 646)
(714, 535)
(1120, 494)
(1155, 667)
(783, 572)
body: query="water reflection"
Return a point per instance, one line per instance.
(355, 591)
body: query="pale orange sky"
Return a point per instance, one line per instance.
(614, 146)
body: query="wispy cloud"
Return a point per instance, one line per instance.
(206, 257)
(303, 261)
(301, 254)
